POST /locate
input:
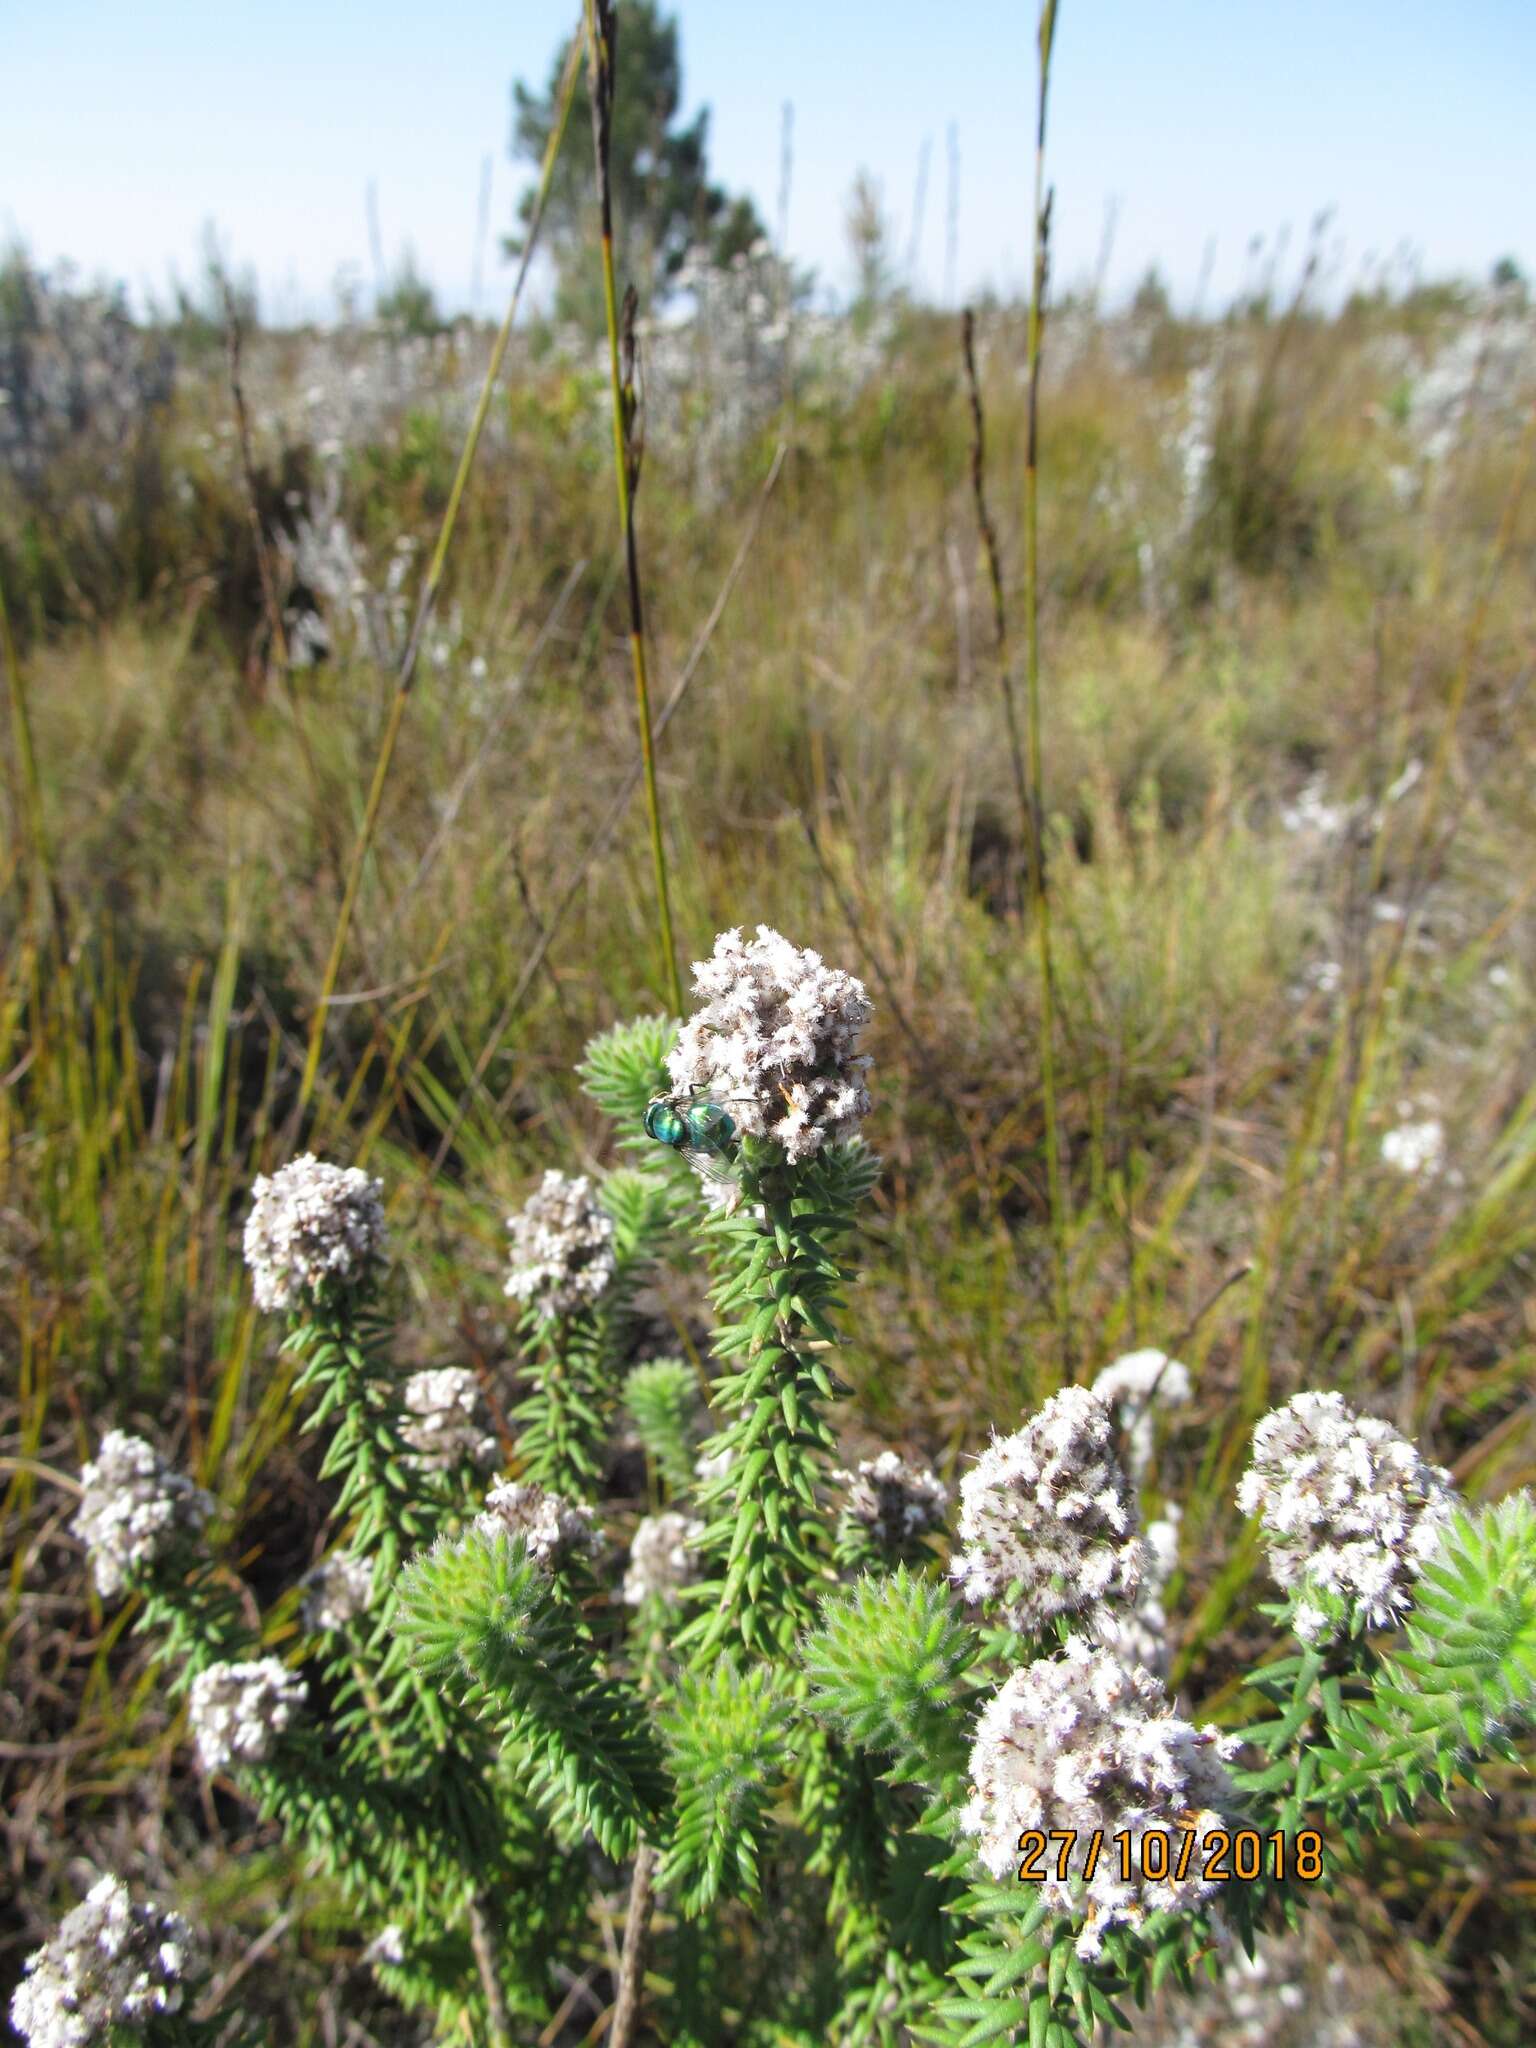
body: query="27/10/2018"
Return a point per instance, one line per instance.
(1154, 1855)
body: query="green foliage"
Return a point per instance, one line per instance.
(408, 303)
(624, 1068)
(729, 1736)
(663, 199)
(766, 1542)
(886, 1667)
(347, 1378)
(487, 1625)
(1463, 1684)
(661, 1399)
(573, 1362)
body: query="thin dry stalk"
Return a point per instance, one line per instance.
(994, 564)
(603, 836)
(602, 32)
(45, 880)
(637, 1926)
(483, 1943)
(1056, 1178)
(234, 341)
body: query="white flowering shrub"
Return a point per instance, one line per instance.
(112, 1965)
(313, 1228)
(1349, 1511)
(134, 1507)
(870, 1781)
(238, 1711)
(1048, 1520)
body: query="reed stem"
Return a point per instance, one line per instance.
(1056, 1179)
(602, 26)
(45, 881)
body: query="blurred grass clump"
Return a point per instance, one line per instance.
(1288, 563)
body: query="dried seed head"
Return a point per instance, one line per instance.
(553, 1528)
(896, 1502)
(449, 1423)
(336, 1592)
(1136, 1386)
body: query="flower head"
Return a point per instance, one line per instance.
(134, 1508)
(1087, 1746)
(1049, 1520)
(1415, 1149)
(237, 1711)
(1140, 1634)
(776, 1042)
(336, 1592)
(562, 1247)
(110, 1964)
(313, 1228)
(896, 1502)
(663, 1557)
(710, 1465)
(552, 1527)
(387, 1946)
(449, 1425)
(1349, 1513)
(1135, 1386)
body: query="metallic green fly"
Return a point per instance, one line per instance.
(704, 1132)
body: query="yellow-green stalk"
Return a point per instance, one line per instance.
(1055, 1178)
(600, 27)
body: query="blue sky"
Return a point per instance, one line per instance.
(126, 128)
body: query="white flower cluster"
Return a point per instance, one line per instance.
(312, 1226)
(110, 1964)
(896, 1502)
(552, 1527)
(1136, 1386)
(663, 1557)
(776, 1043)
(1087, 1745)
(1349, 1512)
(387, 1946)
(449, 1424)
(133, 1508)
(1139, 1634)
(711, 1465)
(336, 1592)
(562, 1247)
(1416, 1149)
(237, 1711)
(1049, 1520)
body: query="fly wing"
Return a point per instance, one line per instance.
(713, 1165)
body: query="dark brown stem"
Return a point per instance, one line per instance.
(994, 566)
(485, 1962)
(234, 342)
(637, 1929)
